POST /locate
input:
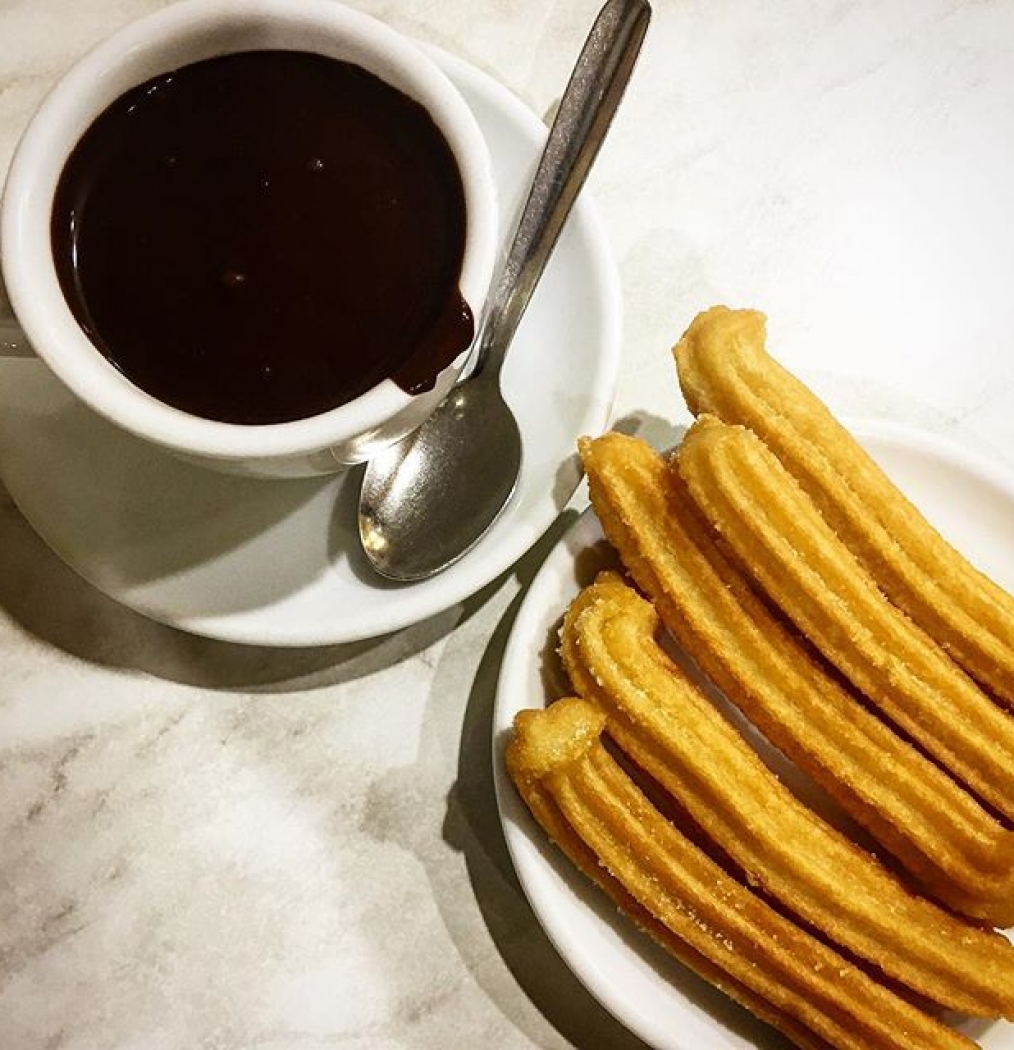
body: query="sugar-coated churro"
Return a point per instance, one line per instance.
(669, 728)
(759, 956)
(540, 802)
(783, 541)
(954, 848)
(725, 370)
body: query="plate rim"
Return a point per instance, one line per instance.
(515, 820)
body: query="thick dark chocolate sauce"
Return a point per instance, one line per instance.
(264, 236)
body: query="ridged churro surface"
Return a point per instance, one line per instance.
(529, 770)
(806, 587)
(781, 538)
(787, 976)
(958, 851)
(669, 728)
(725, 370)
(547, 813)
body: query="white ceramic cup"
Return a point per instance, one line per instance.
(175, 36)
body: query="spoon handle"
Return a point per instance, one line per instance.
(585, 112)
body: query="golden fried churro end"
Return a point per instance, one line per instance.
(551, 739)
(718, 325)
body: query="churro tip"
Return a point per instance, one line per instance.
(610, 586)
(609, 581)
(721, 322)
(592, 449)
(706, 423)
(711, 431)
(548, 740)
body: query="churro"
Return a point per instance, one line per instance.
(790, 978)
(781, 538)
(725, 370)
(521, 758)
(669, 728)
(955, 849)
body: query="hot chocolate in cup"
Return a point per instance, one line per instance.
(257, 233)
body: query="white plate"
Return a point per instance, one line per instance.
(970, 501)
(278, 563)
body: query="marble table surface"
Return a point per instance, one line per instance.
(209, 846)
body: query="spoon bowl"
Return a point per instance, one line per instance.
(443, 456)
(446, 455)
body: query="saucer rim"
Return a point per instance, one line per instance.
(413, 603)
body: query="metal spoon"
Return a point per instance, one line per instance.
(428, 499)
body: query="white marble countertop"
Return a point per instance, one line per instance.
(207, 846)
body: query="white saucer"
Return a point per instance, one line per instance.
(970, 501)
(278, 563)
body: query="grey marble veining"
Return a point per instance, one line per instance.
(216, 847)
